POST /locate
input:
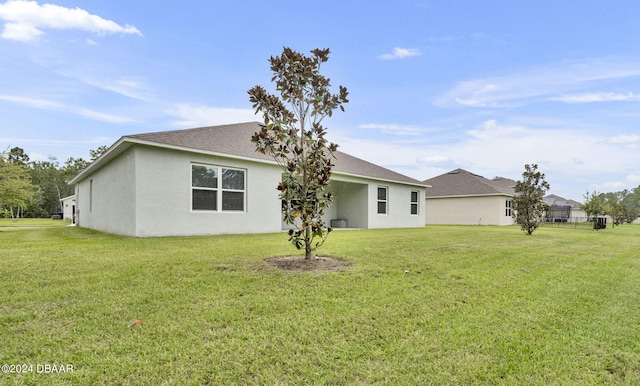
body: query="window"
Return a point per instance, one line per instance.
(414, 202)
(214, 188)
(508, 208)
(382, 199)
(90, 196)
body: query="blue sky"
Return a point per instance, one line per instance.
(486, 86)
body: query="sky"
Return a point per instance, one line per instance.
(434, 85)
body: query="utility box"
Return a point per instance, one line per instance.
(340, 223)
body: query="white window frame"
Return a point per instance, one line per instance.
(219, 189)
(508, 208)
(414, 203)
(385, 201)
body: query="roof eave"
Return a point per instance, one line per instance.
(472, 195)
(345, 174)
(126, 142)
(115, 149)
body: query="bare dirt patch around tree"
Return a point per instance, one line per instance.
(318, 264)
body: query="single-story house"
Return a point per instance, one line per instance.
(463, 198)
(210, 180)
(68, 208)
(562, 210)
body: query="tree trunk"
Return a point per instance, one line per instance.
(307, 231)
(308, 252)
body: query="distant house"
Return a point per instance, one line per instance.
(68, 208)
(463, 198)
(562, 210)
(210, 180)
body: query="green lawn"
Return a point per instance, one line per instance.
(439, 305)
(32, 222)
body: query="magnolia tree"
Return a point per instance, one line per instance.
(294, 136)
(528, 207)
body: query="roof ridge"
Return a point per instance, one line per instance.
(377, 166)
(191, 129)
(460, 182)
(234, 140)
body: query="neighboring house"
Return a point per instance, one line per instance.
(68, 208)
(563, 210)
(463, 198)
(210, 180)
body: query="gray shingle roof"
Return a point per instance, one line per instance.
(460, 182)
(234, 140)
(553, 200)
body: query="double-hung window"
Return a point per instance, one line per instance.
(383, 199)
(507, 211)
(414, 202)
(215, 188)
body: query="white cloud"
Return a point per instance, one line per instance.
(542, 83)
(400, 53)
(25, 20)
(598, 97)
(434, 160)
(197, 116)
(44, 104)
(577, 161)
(628, 182)
(57, 142)
(130, 88)
(490, 129)
(571, 158)
(20, 32)
(397, 129)
(630, 141)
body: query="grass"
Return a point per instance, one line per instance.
(32, 222)
(439, 305)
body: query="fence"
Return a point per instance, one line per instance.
(576, 222)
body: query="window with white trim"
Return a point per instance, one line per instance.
(415, 195)
(507, 211)
(215, 188)
(383, 200)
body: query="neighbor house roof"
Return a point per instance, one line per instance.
(234, 140)
(460, 182)
(553, 200)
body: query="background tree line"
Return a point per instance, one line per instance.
(622, 206)
(34, 188)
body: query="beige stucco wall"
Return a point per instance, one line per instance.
(473, 210)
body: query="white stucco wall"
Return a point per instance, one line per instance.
(68, 204)
(146, 192)
(473, 210)
(578, 214)
(163, 196)
(105, 200)
(355, 200)
(351, 202)
(398, 206)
